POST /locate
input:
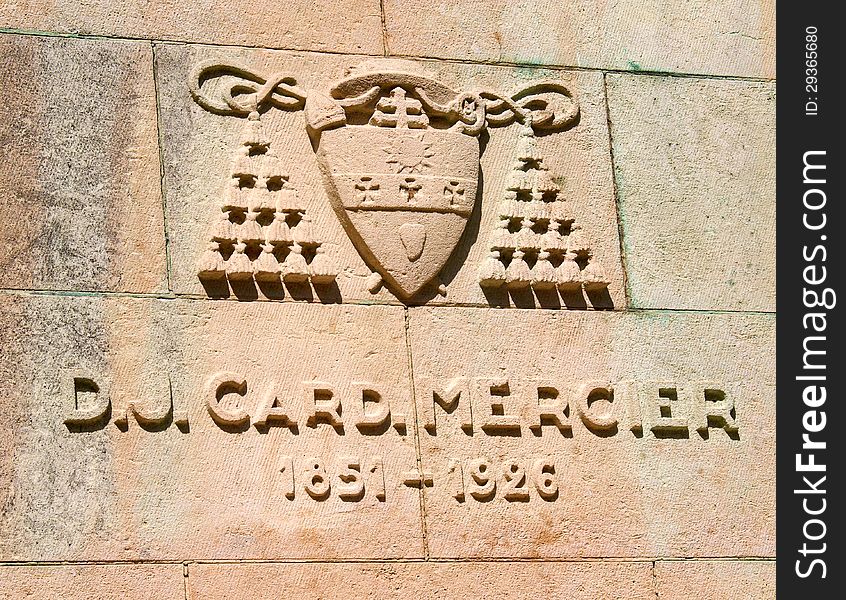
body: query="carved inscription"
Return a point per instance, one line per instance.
(513, 480)
(350, 478)
(492, 406)
(91, 402)
(88, 401)
(488, 406)
(368, 408)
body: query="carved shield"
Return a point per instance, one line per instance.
(403, 196)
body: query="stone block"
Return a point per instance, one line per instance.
(715, 580)
(91, 582)
(201, 150)
(80, 181)
(727, 38)
(424, 580)
(142, 429)
(591, 434)
(302, 25)
(695, 169)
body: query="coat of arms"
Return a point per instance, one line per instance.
(399, 154)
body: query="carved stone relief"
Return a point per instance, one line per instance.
(364, 434)
(292, 431)
(264, 232)
(535, 235)
(399, 157)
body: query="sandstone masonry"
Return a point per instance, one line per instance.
(372, 299)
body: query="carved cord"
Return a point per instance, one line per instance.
(247, 91)
(234, 90)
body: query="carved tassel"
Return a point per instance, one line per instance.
(518, 275)
(500, 237)
(253, 133)
(568, 274)
(543, 273)
(517, 180)
(594, 276)
(526, 238)
(222, 230)
(286, 199)
(262, 198)
(244, 182)
(266, 267)
(235, 198)
(537, 207)
(492, 271)
(295, 269)
(254, 198)
(266, 165)
(509, 206)
(211, 264)
(575, 241)
(303, 232)
(238, 267)
(561, 211)
(243, 173)
(278, 232)
(527, 146)
(544, 183)
(250, 231)
(323, 268)
(551, 240)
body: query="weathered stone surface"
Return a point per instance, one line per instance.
(306, 25)
(204, 479)
(200, 147)
(672, 487)
(726, 38)
(430, 580)
(695, 168)
(284, 425)
(80, 180)
(715, 580)
(94, 582)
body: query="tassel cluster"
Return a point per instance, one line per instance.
(263, 232)
(536, 243)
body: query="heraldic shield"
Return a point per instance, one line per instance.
(399, 154)
(401, 178)
(406, 200)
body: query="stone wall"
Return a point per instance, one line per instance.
(373, 366)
